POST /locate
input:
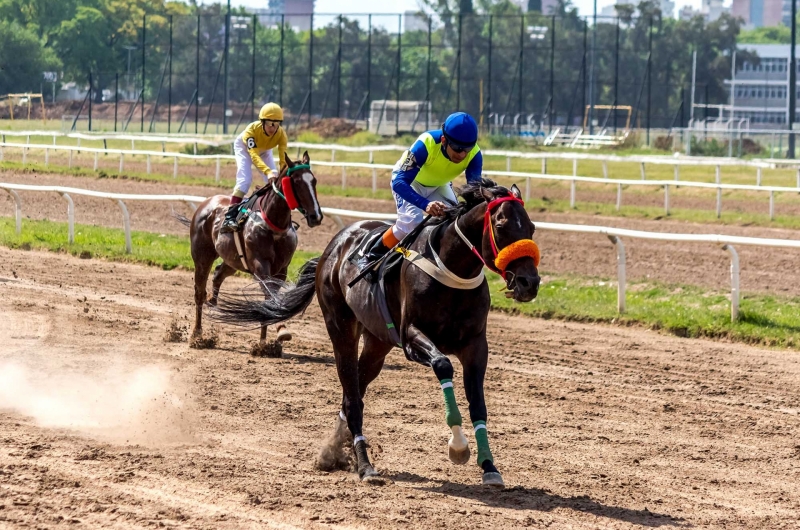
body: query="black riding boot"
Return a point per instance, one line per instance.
(229, 225)
(376, 251)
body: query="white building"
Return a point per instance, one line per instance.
(760, 92)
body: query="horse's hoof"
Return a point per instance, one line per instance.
(211, 302)
(458, 457)
(284, 335)
(493, 479)
(368, 475)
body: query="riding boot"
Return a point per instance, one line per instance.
(376, 251)
(230, 225)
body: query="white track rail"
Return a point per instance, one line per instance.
(573, 179)
(614, 234)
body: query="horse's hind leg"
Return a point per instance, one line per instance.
(334, 454)
(202, 268)
(221, 272)
(344, 331)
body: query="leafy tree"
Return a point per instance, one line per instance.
(23, 59)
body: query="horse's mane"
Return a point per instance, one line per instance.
(472, 196)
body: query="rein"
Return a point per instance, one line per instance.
(502, 257)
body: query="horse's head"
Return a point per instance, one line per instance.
(507, 247)
(300, 187)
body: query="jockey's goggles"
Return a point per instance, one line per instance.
(276, 123)
(457, 147)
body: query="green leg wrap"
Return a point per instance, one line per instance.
(482, 438)
(451, 412)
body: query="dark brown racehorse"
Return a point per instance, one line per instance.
(490, 226)
(269, 237)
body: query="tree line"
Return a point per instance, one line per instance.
(490, 59)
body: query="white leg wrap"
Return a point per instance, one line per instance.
(342, 417)
(359, 438)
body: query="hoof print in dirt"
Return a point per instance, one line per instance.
(200, 342)
(176, 332)
(273, 350)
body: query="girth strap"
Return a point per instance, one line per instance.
(439, 272)
(238, 238)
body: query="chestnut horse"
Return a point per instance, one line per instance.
(434, 317)
(268, 235)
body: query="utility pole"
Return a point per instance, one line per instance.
(225, 85)
(591, 71)
(792, 80)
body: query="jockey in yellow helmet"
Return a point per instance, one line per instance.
(254, 148)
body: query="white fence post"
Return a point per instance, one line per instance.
(95, 160)
(574, 167)
(620, 248)
(46, 157)
(69, 164)
(126, 221)
(771, 205)
(338, 221)
(619, 196)
(719, 203)
(24, 155)
(175, 167)
(333, 155)
(544, 166)
(527, 189)
(666, 199)
(572, 194)
(344, 177)
(508, 163)
(758, 177)
(70, 218)
(734, 282)
(216, 175)
(717, 175)
(148, 164)
(642, 170)
(797, 181)
(121, 162)
(374, 172)
(17, 209)
(605, 169)
(677, 176)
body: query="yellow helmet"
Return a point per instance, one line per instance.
(271, 111)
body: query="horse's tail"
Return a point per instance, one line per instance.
(285, 301)
(182, 219)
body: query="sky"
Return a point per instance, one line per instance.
(585, 7)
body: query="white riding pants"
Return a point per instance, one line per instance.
(409, 216)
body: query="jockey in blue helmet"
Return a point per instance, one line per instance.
(422, 178)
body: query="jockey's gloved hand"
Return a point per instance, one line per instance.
(435, 208)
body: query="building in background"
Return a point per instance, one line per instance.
(760, 13)
(761, 91)
(295, 13)
(687, 13)
(713, 9)
(545, 7)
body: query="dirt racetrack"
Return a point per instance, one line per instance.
(103, 424)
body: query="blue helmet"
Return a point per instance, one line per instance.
(461, 130)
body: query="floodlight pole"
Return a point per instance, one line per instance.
(591, 71)
(792, 81)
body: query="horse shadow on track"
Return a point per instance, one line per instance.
(535, 499)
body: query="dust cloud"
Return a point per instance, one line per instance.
(127, 405)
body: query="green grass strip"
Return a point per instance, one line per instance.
(682, 310)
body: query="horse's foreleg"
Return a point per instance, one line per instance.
(419, 348)
(201, 271)
(261, 272)
(474, 362)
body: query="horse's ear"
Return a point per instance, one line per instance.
(487, 195)
(306, 160)
(515, 192)
(288, 160)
